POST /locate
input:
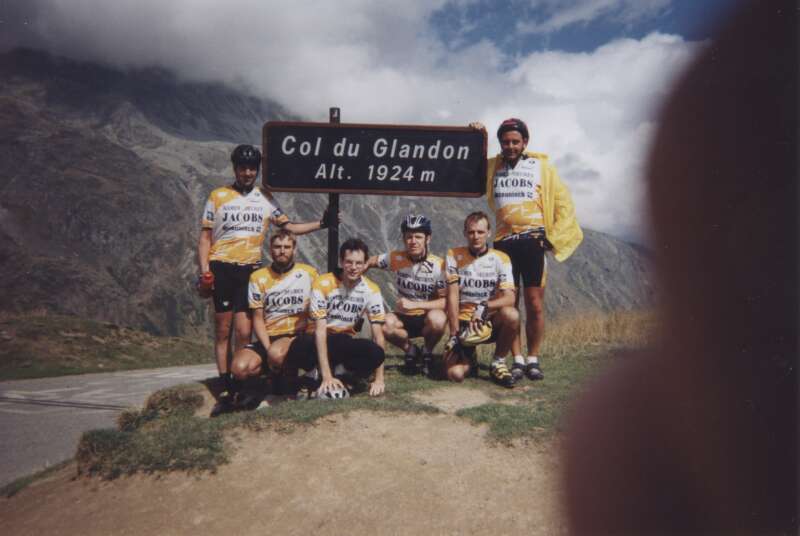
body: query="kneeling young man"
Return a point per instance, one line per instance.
(419, 311)
(338, 301)
(480, 288)
(278, 296)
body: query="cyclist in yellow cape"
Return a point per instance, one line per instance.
(535, 214)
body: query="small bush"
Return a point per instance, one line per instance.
(178, 443)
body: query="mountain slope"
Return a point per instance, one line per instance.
(103, 175)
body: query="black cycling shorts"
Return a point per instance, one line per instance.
(527, 260)
(258, 348)
(230, 285)
(359, 356)
(412, 324)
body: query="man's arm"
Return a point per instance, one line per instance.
(321, 341)
(303, 228)
(404, 304)
(452, 307)
(378, 386)
(259, 327)
(204, 249)
(504, 299)
(310, 226)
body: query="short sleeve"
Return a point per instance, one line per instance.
(383, 261)
(276, 215)
(318, 307)
(375, 311)
(255, 295)
(451, 268)
(505, 274)
(209, 212)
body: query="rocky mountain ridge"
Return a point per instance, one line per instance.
(103, 174)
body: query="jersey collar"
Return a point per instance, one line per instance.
(275, 268)
(479, 254)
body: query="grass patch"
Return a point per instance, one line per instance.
(44, 345)
(14, 487)
(166, 435)
(177, 442)
(575, 350)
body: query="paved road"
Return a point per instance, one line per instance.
(42, 420)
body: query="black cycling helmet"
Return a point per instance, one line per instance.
(513, 124)
(416, 223)
(246, 155)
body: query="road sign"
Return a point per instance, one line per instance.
(374, 159)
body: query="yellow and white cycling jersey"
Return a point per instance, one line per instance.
(517, 195)
(342, 307)
(418, 281)
(239, 223)
(284, 297)
(479, 278)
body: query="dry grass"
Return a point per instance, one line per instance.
(632, 329)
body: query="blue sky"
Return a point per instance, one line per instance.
(513, 23)
(589, 76)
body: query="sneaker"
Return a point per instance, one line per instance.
(410, 361)
(427, 365)
(225, 404)
(517, 371)
(533, 371)
(500, 374)
(311, 380)
(246, 401)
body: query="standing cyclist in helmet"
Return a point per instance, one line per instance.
(235, 221)
(419, 311)
(535, 214)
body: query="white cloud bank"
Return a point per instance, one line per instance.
(382, 62)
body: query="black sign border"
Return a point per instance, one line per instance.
(404, 193)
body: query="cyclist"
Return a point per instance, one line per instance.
(338, 302)
(278, 296)
(235, 220)
(419, 311)
(480, 299)
(535, 214)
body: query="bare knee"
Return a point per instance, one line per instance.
(436, 320)
(508, 316)
(245, 363)
(457, 373)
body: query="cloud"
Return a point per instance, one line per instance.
(385, 63)
(558, 16)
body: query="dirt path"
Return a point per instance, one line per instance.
(356, 473)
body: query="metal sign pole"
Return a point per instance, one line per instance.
(333, 207)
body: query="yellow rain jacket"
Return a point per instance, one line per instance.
(560, 224)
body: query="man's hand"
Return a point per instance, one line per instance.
(329, 218)
(477, 125)
(403, 305)
(205, 284)
(452, 344)
(376, 388)
(479, 315)
(329, 384)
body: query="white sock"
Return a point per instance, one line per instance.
(498, 360)
(533, 359)
(519, 359)
(339, 369)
